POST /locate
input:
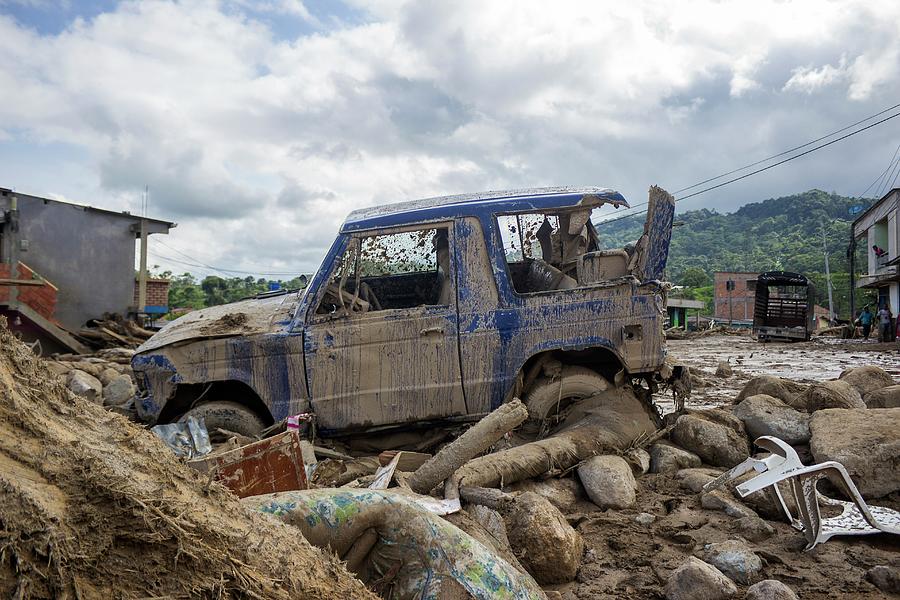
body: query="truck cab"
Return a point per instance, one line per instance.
(429, 311)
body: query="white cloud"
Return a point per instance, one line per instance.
(259, 145)
(811, 79)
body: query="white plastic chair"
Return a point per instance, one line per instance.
(783, 464)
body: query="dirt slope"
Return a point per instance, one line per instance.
(92, 506)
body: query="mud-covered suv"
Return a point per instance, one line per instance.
(428, 311)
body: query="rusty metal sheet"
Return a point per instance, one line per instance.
(271, 465)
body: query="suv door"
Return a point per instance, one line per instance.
(381, 345)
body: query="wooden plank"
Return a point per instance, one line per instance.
(17, 282)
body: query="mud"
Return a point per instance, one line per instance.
(625, 558)
(226, 323)
(815, 361)
(93, 506)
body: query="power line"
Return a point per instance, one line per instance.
(877, 179)
(198, 263)
(766, 168)
(759, 162)
(796, 156)
(220, 270)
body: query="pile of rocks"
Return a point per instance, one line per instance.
(104, 378)
(854, 420)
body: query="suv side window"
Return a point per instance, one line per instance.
(391, 271)
(539, 258)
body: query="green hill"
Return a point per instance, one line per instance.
(776, 234)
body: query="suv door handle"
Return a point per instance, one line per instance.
(429, 330)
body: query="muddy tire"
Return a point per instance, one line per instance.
(227, 415)
(548, 397)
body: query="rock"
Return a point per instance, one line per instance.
(57, 368)
(784, 389)
(886, 579)
(722, 500)
(119, 391)
(714, 435)
(85, 385)
(831, 394)
(694, 479)
(645, 519)
(564, 493)
(766, 415)
(723, 369)
(608, 481)
(697, 580)
(107, 375)
(770, 589)
(639, 460)
(735, 559)
(865, 441)
(543, 541)
(91, 368)
(886, 397)
(668, 458)
(867, 379)
(752, 528)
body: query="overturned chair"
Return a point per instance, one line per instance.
(783, 464)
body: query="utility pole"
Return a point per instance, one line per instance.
(828, 276)
(729, 285)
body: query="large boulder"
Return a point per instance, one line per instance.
(832, 394)
(668, 458)
(608, 481)
(770, 589)
(543, 540)
(886, 397)
(716, 436)
(865, 441)
(85, 385)
(697, 580)
(784, 389)
(735, 559)
(766, 415)
(118, 391)
(867, 379)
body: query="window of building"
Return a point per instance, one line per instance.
(393, 271)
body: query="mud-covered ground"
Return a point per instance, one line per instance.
(627, 559)
(817, 360)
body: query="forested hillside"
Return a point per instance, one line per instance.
(776, 234)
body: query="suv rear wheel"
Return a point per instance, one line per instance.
(548, 397)
(231, 416)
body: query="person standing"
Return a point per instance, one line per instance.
(884, 324)
(865, 319)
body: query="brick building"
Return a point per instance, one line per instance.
(157, 296)
(737, 304)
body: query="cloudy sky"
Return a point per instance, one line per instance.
(258, 124)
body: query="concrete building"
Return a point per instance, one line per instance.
(877, 230)
(677, 309)
(735, 304)
(79, 259)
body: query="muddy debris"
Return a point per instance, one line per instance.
(92, 505)
(608, 504)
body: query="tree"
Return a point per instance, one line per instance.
(695, 277)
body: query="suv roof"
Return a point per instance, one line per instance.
(442, 207)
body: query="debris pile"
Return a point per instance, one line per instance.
(112, 331)
(93, 506)
(609, 502)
